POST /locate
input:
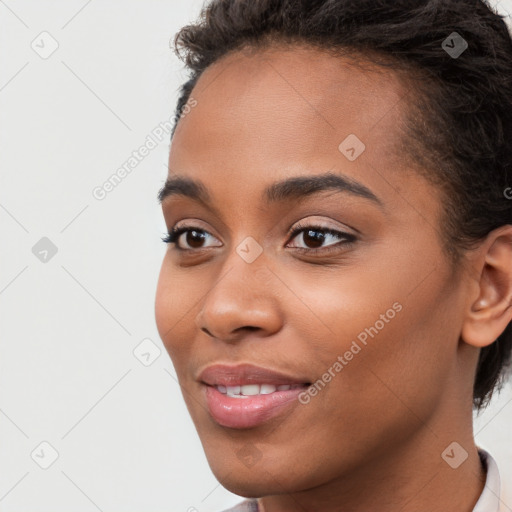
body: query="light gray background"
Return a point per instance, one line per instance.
(68, 374)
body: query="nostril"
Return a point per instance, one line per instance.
(248, 328)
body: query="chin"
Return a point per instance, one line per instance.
(253, 480)
(250, 485)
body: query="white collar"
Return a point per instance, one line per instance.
(491, 499)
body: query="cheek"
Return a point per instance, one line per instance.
(392, 343)
(164, 302)
(174, 300)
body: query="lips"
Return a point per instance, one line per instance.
(244, 396)
(246, 374)
(245, 412)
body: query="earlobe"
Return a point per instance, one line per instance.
(491, 311)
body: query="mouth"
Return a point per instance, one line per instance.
(241, 411)
(248, 390)
(246, 375)
(246, 396)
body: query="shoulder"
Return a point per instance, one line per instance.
(495, 496)
(249, 505)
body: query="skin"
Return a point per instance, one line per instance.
(372, 439)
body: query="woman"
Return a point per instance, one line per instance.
(337, 292)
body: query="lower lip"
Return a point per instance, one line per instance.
(251, 411)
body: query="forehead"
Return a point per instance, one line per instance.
(285, 111)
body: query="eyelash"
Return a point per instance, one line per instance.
(173, 236)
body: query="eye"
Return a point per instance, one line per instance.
(312, 235)
(315, 236)
(194, 237)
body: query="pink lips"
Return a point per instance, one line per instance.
(247, 411)
(228, 375)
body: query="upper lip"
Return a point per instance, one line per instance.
(241, 374)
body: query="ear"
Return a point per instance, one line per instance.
(490, 310)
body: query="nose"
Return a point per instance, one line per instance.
(242, 300)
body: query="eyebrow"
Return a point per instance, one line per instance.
(295, 188)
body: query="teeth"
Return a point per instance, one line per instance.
(267, 389)
(250, 389)
(254, 389)
(233, 390)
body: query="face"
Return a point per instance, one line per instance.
(341, 285)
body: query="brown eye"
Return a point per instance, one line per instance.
(313, 238)
(194, 238)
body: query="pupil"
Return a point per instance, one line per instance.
(315, 239)
(190, 238)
